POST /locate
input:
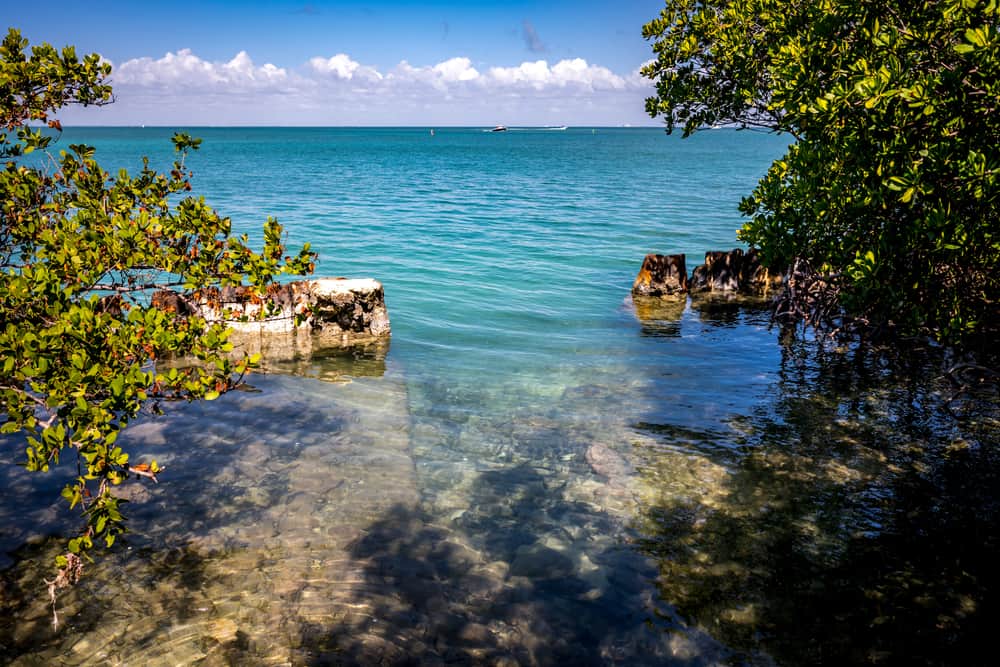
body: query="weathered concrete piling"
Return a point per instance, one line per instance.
(661, 275)
(733, 271)
(333, 312)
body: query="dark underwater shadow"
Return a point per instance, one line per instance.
(229, 463)
(855, 517)
(488, 590)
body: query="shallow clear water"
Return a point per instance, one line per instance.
(535, 469)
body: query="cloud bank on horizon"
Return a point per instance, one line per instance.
(183, 88)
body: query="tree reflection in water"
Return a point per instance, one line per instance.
(852, 519)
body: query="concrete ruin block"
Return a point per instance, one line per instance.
(734, 271)
(661, 275)
(721, 272)
(348, 310)
(332, 312)
(758, 278)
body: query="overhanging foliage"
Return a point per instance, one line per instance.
(80, 253)
(890, 189)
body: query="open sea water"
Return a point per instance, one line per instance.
(535, 470)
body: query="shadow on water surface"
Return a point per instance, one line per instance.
(850, 519)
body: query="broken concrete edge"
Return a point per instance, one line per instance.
(734, 271)
(289, 320)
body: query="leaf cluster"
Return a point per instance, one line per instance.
(890, 187)
(81, 344)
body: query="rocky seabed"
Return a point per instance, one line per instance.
(341, 529)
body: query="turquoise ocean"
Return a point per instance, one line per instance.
(535, 469)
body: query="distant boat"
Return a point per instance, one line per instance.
(555, 127)
(499, 128)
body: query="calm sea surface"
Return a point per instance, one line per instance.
(535, 470)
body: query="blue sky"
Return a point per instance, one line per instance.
(218, 62)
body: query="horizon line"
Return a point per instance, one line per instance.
(421, 126)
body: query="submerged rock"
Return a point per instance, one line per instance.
(608, 463)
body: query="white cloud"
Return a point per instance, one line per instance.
(188, 70)
(339, 65)
(579, 71)
(535, 74)
(456, 69)
(181, 87)
(448, 74)
(539, 75)
(343, 67)
(242, 68)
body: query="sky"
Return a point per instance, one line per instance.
(471, 63)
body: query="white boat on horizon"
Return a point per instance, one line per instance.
(499, 128)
